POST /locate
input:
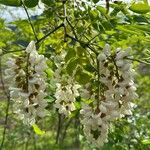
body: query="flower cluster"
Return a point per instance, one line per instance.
(66, 93)
(27, 84)
(116, 91)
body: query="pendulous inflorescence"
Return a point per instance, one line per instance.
(115, 94)
(27, 84)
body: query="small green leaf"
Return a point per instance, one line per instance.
(48, 2)
(140, 8)
(145, 1)
(127, 30)
(49, 73)
(37, 130)
(31, 3)
(145, 142)
(70, 54)
(95, 1)
(101, 9)
(83, 76)
(77, 105)
(15, 3)
(93, 14)
(87, 101)
(71, 66)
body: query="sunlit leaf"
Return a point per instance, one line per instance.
(146, 141)
(37, 130)
(15, 3)
(31, 3)
(140, 8)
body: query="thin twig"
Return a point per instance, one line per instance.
(94, 37)
(30, 21)
(58, 128)
(107, 5)
(98, 79)
(65, 16)
(65, 130)
(116, 67)
(44, 37)
(83, 44)
(7, 107)
(140, 61)
(77, 127)
(27, 73)
(72, 28)
(12, 51)
(76, 39)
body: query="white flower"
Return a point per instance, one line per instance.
(102, 108)
(107, 50)
(65, 94)
(120, 63)
(122, 54)
(9, 73)
(101, 57)
(11, 63)
(31, 47)
(114, 114)
(117, 89)
(14, 94)
(28, 99)
(85, 94)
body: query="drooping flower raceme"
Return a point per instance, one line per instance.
(65, 97)
(28, 84)
(66, 93)
(116, 91)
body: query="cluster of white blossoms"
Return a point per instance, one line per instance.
(66, 93)
(116, 91)
(27, 84)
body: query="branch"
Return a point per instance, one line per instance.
(27, 73)
(30, 21)
(44, 37)
(140, 61)
(65, 130)
(83, 44)
(65, 16)
(72, 28)
(107, 5)
(4, 53)
(98, 79)
(7, 107)
(59, 128)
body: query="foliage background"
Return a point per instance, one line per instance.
(123, 26)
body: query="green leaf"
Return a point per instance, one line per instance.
(106, 25)
(101, 9)
(31, 3)
(81, 51)
(83, 76)
(116, 10)
(15, 3)
(93, 14)
(87, 101)
(145, 1)
(145, 142)
(127, 30)
(71, 65)
(95, 1)
(77, 105)
(140, 18)
(48, 2)
(49, 73)
(140, 8)
(70, 54)
(37, 130)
